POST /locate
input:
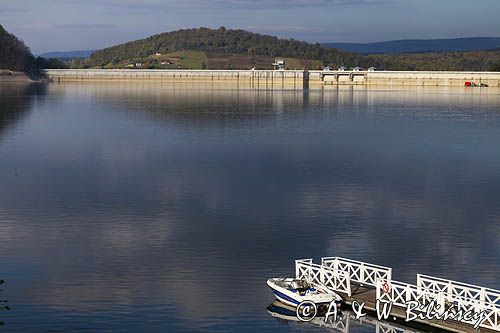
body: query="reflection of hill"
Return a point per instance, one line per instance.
(15, 102)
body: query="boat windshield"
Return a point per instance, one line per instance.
(300, 284)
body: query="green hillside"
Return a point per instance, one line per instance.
(478, 61)
(217, 48)
(222, 48)
(14, 55)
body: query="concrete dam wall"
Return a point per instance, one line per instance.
(280, 79)
(246, 78)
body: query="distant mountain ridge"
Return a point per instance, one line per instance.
(67, 54)
(420, 45)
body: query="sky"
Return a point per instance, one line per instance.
(62, 25)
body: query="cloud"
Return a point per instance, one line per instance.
(300, 3)
(12, 10)
(285, 28)
(86, 26)
(155, 5)
(276, 4)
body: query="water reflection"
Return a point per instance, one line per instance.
(345, 321)
(191, 96)
(3, 303)
(140, 206)
(16, 100)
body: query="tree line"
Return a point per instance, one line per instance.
(477, 61)
(222, 42)
(16, 56)
(218, 42)
(215, 42)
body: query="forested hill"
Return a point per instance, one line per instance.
(14, 55)
(220, 43)
(478, 61)
(421, 45)
(222, 48)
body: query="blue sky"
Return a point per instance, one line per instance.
(55, 25)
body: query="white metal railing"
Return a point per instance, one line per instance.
(340, 324)
(465, 296)
(335, 280)
(401, 293)
(336, 273)
(384, 327)
(492, 319)
(358, 271)
(477, 293)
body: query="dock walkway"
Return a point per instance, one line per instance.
(366, 283)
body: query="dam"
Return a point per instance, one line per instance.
(281, 79)
(260, 79)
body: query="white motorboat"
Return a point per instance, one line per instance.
(292, 291)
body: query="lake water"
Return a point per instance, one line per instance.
(160, 208)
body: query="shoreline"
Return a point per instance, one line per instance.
(13, 76)
(16, 76)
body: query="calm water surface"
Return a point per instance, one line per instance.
(158, 208)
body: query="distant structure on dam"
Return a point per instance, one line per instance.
(405, 78)
(281, 79)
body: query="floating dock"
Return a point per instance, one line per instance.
(362, 282)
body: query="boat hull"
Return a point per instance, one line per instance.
(294, 298)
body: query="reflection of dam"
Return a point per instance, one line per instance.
(243, 100)
(280, 79)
